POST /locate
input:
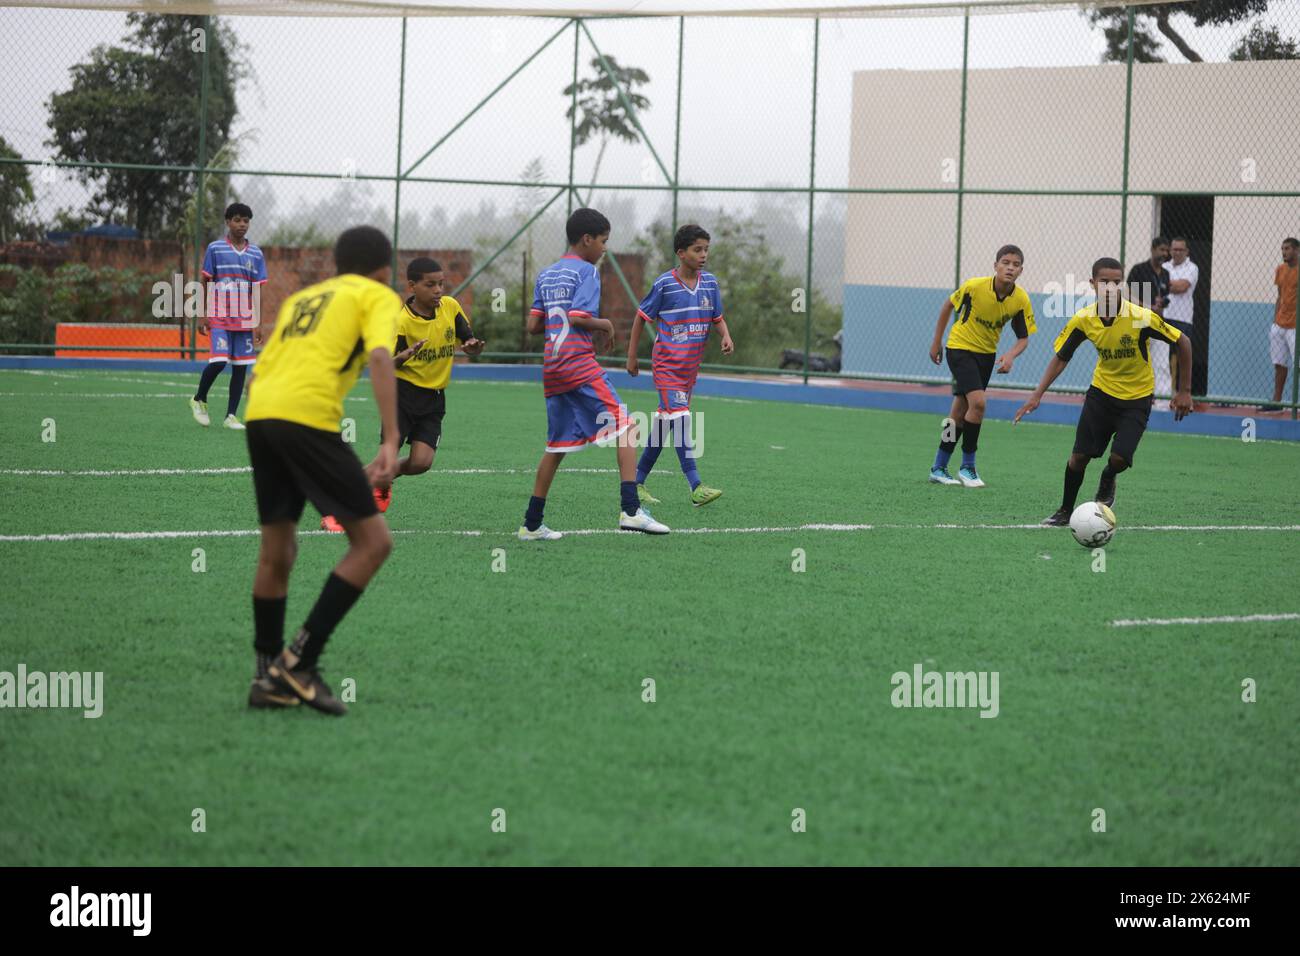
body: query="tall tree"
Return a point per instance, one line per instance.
(16, 196)
(601, 107)
(138, 102)
(1157, 18)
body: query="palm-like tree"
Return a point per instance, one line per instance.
(601, 109)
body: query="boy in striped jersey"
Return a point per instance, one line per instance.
(233, 268)
(582, 408)
(684, 303)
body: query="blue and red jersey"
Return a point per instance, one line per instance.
(565, 289)
(233, 275)
(682, 317)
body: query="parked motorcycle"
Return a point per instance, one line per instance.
(794, 358)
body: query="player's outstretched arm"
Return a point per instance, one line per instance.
(936, 344)
(1182, 403)
(1055, 366)
(383, 381)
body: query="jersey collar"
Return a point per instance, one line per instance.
(420, 315)
(685, 286)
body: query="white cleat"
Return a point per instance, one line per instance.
(970, 478)
(542, 533)
(233, 423)
(200, 410)
(641, 521)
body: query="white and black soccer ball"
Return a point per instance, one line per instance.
(1092, 524)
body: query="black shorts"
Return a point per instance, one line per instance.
(1104, 416)
(419, 414)
(971, 371)
(293, 464)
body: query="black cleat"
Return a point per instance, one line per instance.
(307, 686)
(264, 694)
(1106, 492)
(1061, 519)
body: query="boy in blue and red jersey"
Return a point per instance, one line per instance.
(582, 407)
(684, 304)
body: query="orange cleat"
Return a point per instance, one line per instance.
(330, 523)
(383, 498)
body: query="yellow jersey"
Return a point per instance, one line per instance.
(1123, 362)
(980, 315)
(323, 336)
(431, 366)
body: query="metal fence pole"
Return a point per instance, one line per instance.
(961, 145)
(397, 180)
(1295, 353)
(1128, 119)
(677, 127)
(199, 211)
(573, 117)
(812, 206)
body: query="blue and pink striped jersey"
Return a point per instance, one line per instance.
(233, 277)
(682, 317)
(567, 288)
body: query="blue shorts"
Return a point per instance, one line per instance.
(589, 414)
(674, 401)
(232, 345)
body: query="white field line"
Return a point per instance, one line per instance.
(96, 394)
(787, 529)
(1230, 619)
(137, 472)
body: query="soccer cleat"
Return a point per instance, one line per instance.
(641, 521)
(233, 423)
(200, 411)
(306, 685)
(940, 476)
(264, 694)
(646, 496)
(542, 533)
(383, 498)
(703, 494)
(1060, 519)
(331, 523)
(1106, 492)
(970, 478)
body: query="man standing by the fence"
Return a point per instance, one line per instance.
(1281, 334)
(1179, 311)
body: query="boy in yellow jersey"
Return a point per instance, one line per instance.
(1118, 402)
(428, 329)
(322, 338)
(983, 306)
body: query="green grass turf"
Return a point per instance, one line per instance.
(522, 690)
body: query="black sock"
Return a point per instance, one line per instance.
(268, 630)
(630, 501)
(533, 516)
(336, 599)
(237, 373)
(1108, 474)
(206, 379)
(948, 447)
(1073, 479)
(970, 437)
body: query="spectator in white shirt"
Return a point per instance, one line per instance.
(1183, 274)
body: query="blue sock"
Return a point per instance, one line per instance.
(968, 459)
(628, 496)
(651, 453)
(682, 442)
(533, 516)
(943, 457)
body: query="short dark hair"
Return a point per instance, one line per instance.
(1291, 241)
(585, 222)
(362, 250)
(1182, 239)
(686, 236)
(238, 209)
(1159, 241)
(1010, 250)
(421, 267)
(1105, 262)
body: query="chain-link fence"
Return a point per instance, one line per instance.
(852, 171)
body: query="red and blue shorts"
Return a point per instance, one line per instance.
(232, 345)
(590, 414)
(674, 399)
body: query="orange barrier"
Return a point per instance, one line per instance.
(69, 335)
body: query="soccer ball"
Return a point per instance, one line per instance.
(1092, 524)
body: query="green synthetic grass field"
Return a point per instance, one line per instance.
(522, 690)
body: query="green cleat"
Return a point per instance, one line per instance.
(646, 496)
(703, 494)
